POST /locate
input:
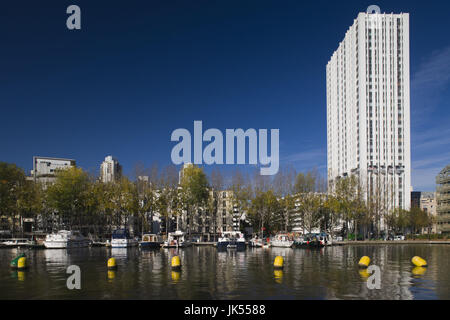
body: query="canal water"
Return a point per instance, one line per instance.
(327, 273)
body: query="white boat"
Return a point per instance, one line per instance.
(66, 239)
(121, 239)
(325, 239)
(19, 242)
(231, 240)
(282, 240)
(176, 239)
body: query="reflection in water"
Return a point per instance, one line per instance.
(328, 273)
(56, 256)
(419, 271)
(364, 273)
(278, 274)
(176, 276)
(120, 253)
(21, 275)
(111, 274)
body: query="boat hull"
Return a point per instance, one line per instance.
(224, 245)
(65, 244)
(182, 245)
(120, 243)
(282, 244)
(150, 245)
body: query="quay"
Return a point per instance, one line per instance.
(377, 242)
(204, 243)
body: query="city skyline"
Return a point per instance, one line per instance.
(69, 93)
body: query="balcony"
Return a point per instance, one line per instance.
(442, 209)
(443, 189)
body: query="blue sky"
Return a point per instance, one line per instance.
(137, 70)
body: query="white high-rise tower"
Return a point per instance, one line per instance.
(368, 108)
(110, 170)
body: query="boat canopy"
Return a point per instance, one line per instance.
(120, 234)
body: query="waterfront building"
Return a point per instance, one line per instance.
(110, 170)
(44, 168)
(208, 223)
(301, 227)
(428, 204)
(415, 199)
(443, 200)
(181, 173)
(228, 213)
(368, 109)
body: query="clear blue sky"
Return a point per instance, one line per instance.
(137, 70)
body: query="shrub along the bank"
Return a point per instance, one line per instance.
(427, 237)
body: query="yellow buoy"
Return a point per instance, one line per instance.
(176, 275)
(22, 263)
(364, 262)
(176, 263)
(418, 261)
(278, 263)
(418, 271)
(112, 264)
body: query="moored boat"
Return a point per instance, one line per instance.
(151, 241)
(255, 242)
(19, 242)
(231, 240)
(66, 239)
(282, 240)
(176, 239)
(121, 239)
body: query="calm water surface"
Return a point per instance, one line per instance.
(328, 273)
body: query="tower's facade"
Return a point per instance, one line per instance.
(368, 109)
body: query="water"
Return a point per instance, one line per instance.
(328, 273)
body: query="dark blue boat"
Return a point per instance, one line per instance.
(151, 241)
(231, 240)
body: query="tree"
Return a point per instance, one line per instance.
(308, 189)
(128, 203)
(331, 213)
(418, 219)
(12, 180)
(30, 200)
(194, 191)
(216, 183)
(349, 201)
(263, 208)
(284, 188)
(309, 210)
(169, 201)
(242, 191)
(68, 196)
(147, 182)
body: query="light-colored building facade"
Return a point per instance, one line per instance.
(45, 168)
(368, 108)
(110, 170)
(428, 204)
(443, 200)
